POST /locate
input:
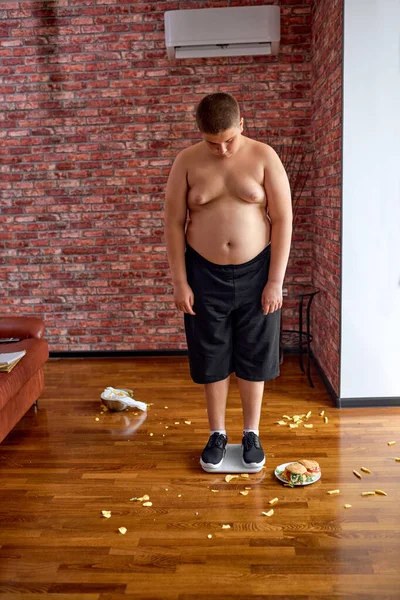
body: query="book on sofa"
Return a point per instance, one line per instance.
(8, 360)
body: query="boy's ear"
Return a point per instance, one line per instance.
(241, 124)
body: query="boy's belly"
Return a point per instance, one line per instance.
(229, 233)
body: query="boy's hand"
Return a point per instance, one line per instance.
(184, 298)
(271, 298)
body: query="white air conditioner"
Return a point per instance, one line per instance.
(231, 31)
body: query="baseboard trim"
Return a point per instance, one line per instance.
(117, 353)
(368, 402)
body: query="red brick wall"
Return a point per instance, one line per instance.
(94, 114)
(327, 32)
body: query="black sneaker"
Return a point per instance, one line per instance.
(214, 453)
(253, 454)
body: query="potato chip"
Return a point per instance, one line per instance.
(147, 504)
(308, 415)
(188, 422)
(215, 490)
(391, 443)
(367, 493)
(286, 417)
(229, 478)
(331, 492)
(244, 493)
(380, 493)
(357, 474)
(269, 513)
(347, 505)
(97, 419)
(282, 422)
(143, 498)
(397, 459)
(245, 475)
(273, 501)
(247, 488)
(225, 526)
(308, 425)
(321, 414)
(177, 423)
(151, 434)
(293, 425)
(209, 536)
(165, 406)
(106, 513)
(122, 530)
(365, 470)
(179, 495)
(326, 419)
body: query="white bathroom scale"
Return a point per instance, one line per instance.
(232, 462)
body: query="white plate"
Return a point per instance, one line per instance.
(282, 467)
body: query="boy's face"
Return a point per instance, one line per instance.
(226, 143)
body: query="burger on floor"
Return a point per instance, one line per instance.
(300, 472)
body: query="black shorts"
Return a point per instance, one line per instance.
(230, 333)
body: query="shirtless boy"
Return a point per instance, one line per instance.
(228, 265)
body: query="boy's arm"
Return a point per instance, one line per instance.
(175, 219)
(277, 187)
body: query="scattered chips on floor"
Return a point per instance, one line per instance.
(331, 492)
(97, 419)
(177, 423)
(391, 443)
(308, 425)
(226, 526)
(308, 415)
(269, 513)
(367, 493)
(209, 536)
(380, 493)
(365, 470)
(215, 491)
(397, 459)
(286, 417)
(106, 513)
(321, 414)
(188, 422)
(326, 419)
(244, 492)
(245, 475)
(229, 478)
(347, 505)
(147, 504)
(357, 474)
(273, 501)
(293, 425)
(151, 434)
(122, 530)
(282, 422)
(179, 495)
(165, 406)
(247, 488)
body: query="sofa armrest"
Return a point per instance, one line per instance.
(21, 327)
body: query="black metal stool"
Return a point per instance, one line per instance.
(301, 338)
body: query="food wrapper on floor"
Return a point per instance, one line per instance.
(119, 399)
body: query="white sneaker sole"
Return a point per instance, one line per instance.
(254, 465)
(211, 465)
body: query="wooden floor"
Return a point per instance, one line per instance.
(65, 463)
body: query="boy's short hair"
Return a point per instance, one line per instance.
(217, 112)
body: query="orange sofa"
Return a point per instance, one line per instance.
(21, 388)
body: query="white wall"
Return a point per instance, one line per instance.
(370, 343)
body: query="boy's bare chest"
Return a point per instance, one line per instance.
(212, 182)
